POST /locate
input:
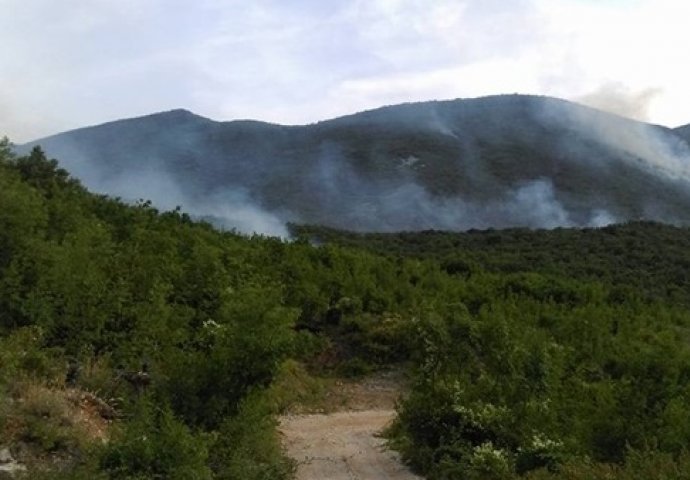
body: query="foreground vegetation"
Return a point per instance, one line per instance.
(559, 354)
(141, 344)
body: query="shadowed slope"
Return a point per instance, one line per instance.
(490, 162)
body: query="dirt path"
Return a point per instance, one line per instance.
(345, 445)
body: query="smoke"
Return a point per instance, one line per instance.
(536, 203)
(533, 204)
(351, 201)
(12, 124)
(653, 148)
(236, 210)
(229, 209)
(618, 99)
(365, 203)
(502, 162)
(601, 218)
(438, 124)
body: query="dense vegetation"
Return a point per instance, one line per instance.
(564, 350)
(170, 323)
(651, 259)
(546, 354)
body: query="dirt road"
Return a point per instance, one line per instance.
(342, 446)
(345, 445)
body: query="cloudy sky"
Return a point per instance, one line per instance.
(71, 63)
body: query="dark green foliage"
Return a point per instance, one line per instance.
(647, 259)
(238, 352)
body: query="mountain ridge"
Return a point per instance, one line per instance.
(499, 161)
(181, 112)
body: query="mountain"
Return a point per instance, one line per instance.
(683, 132)
(500, 161)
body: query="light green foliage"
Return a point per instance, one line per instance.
(239, 351)
(542, 379)
(247, 445)
(559, 354)
(154, 444)
(115, 289)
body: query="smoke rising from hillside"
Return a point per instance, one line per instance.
(532, 205)
(618, 99)
(365, 204)
(509, 161)
(658, 147)
(660, 150)
(231, 210)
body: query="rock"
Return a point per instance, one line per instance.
(11, 469)
(8, 465)
(6, 456)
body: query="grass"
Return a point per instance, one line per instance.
(295, 390)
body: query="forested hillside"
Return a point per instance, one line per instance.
(136, 343)
(652, 259)
(499, 161)
(683, 132)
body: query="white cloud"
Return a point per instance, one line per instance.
(71, 63)
(637, 44)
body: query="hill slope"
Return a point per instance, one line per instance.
(489, 162)
(533, 354)
(683, 132)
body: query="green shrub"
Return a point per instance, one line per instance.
(23, 354)
(292, 386)
(154, 444)
(247, 446)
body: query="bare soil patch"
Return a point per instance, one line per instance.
(346, 443)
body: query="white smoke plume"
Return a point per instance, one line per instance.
(233, 209)
(657, 149)
(618, 99)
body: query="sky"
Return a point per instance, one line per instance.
(72, 63)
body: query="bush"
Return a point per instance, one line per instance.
(24, 355)
(295, 386)
(154, 444)
(247, 446)
(640, 465)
